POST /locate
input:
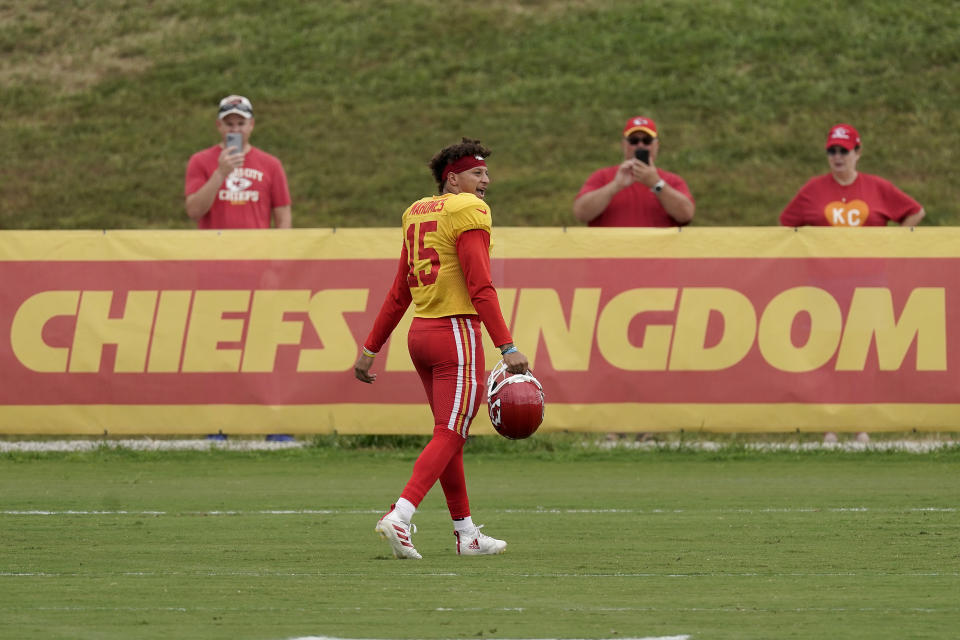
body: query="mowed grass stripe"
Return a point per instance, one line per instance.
(517, 609)
(314, 574)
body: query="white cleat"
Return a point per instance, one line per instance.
(399, 535)
(478, 544)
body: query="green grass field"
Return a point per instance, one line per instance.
(602, 544)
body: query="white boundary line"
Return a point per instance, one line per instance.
(148, 444)
(539, 511)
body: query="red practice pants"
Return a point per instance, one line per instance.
(448, 356)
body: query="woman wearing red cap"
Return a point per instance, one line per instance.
(846, 198)
(444, 271)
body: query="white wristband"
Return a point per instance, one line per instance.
(657, 188)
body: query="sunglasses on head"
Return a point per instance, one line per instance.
(835, 150)
(635, 140)
(239, 106)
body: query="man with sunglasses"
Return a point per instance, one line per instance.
(236, 188)
(846, 198)
(635, 193)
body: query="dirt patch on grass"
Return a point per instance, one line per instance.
(71, 48)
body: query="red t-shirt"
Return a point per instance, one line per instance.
(869, 201)
(247, 197)
(636, 205)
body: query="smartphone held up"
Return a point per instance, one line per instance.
(234, 142)
(642, 154)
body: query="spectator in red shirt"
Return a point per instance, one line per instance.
(230, 189)
(846, 198)
(635, 193)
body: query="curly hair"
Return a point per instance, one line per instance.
(467, 147)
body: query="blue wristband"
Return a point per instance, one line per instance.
(510, 350)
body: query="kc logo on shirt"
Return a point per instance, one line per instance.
(235, 183)
(847, 214)
(238, 186)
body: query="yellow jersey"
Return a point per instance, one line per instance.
(431, 227)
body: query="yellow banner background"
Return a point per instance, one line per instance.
(508, 243)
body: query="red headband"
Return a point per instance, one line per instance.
(462, 164)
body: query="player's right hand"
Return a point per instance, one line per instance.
(361, 369)
(516, 362)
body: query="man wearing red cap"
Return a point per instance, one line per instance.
(444, 271)
(635, 193)
(226, 188)
(847, 198)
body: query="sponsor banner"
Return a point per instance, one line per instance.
(749, 329)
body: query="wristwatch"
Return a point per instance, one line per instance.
(657, 188)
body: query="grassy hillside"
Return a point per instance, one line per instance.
(103, 101)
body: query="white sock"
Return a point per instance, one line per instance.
(404, 510)
(464, 525)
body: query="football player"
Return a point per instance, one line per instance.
(444, 271)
